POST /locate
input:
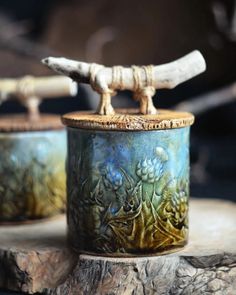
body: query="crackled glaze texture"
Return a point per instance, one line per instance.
(32, 174)
(128, 191)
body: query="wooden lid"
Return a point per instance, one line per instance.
(21, 122)
(128, 119)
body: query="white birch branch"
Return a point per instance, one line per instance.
(142, 80)
(31, 90)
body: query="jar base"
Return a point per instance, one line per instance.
(168, 250)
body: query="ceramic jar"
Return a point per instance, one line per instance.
(128, 182)
(32, 168)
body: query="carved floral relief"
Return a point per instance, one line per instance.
(32, 175)
(128, 191)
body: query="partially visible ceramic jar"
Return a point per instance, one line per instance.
(32, 168)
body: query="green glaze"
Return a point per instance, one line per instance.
(32, 174)
(128, 191)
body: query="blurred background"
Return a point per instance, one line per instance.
(138, 32)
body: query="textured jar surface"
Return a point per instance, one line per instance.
(32, 174)
(128, 191)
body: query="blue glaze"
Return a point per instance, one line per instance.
(118, 179)
(32, 174)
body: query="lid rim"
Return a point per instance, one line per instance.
(20, 123)
(132, 121)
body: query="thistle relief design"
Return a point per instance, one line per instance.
(117, 209)
(33, 180)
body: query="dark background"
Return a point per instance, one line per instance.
(137, 32)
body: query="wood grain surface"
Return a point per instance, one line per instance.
(128, 119)
(35, 258)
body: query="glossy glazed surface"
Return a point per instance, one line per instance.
(128, 191)
(32, 174)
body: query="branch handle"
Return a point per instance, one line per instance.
(142, 80)
(30, 91)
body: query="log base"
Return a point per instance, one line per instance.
(35, 258)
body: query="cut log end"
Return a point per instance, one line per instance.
(207, 265)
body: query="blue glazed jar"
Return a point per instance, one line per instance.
(128, 182)
(32, 168)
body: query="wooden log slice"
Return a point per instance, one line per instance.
(34, 258)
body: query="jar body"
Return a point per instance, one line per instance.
(32, 175)
(128, 191)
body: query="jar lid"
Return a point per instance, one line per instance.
(128, 119)
(21, 122)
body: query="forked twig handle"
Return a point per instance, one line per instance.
(30, 91)
(142, 80)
